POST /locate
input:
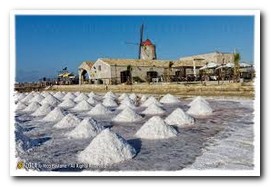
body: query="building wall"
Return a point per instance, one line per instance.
(216, 57)
(101, 70)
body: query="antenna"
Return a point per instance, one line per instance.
(140, 40)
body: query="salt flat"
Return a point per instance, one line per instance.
(221, 140)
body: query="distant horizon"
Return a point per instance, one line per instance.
(47, 44)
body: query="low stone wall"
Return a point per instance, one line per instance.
(229, 89)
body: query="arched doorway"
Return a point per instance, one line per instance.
(84, 76)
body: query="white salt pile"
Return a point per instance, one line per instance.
(20, 106)
(99, 109)
(122, 96)
(110, 94)
(133, 97)
(67, 103)
(109, 102)
(38, 98)
(143, 98)
(32, 107)
(156, 128)
(153, 109)
(27, 98)
(20, 96)
(197, 100)
(93, 95)
(91, 100)
(59, 95)
(82, 106)
(200, 108)
(125, 105)
(106, 149)
(127, 115)
(180, 118)
(69, 95)
(87, 128)
(151, 100)
(43, 110)
(51, 100)
(45, 94)
(127, 100)
(77, 93)
(68, 121)
(55, 115)
(81, 97)
(169, 99)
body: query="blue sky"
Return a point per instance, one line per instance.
(47, 44)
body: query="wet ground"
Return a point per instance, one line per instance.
(223, 140)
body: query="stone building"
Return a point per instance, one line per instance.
(84, 72)
(116, 71)
(216, 57)
(148, 50)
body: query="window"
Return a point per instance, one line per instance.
(99, 67)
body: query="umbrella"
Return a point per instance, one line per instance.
(209, 65)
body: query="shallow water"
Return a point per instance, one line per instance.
(223, 140)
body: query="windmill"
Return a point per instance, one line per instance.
(140, 40)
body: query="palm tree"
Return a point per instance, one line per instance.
(236, 73)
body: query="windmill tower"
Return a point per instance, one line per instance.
(147, 50)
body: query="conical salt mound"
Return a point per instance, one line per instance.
(82, 106)
(27, 98)
(69, 95)
(59, 95)
(20, 96)
(106, 149)
(127, 100)
(156, 128)
(127, 115)
(68, 121)
(45, 94)
(51, 100)
(109, 102)
(153, 109)
(198, 100)
(20, 106)
(169, 99)
(38, 98)
(124, 95)
(86, 129)
(99, 109)
(77, 93)
(91, 100)
(125, 105)
(67, 103)
(151, 100)
(43, 110)
(55, 115)
(133, 97)
(143, 98)
(32, 107)
(110, 95)
(180, 118)
(93, 95)
(200, 108)
(81, 97)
